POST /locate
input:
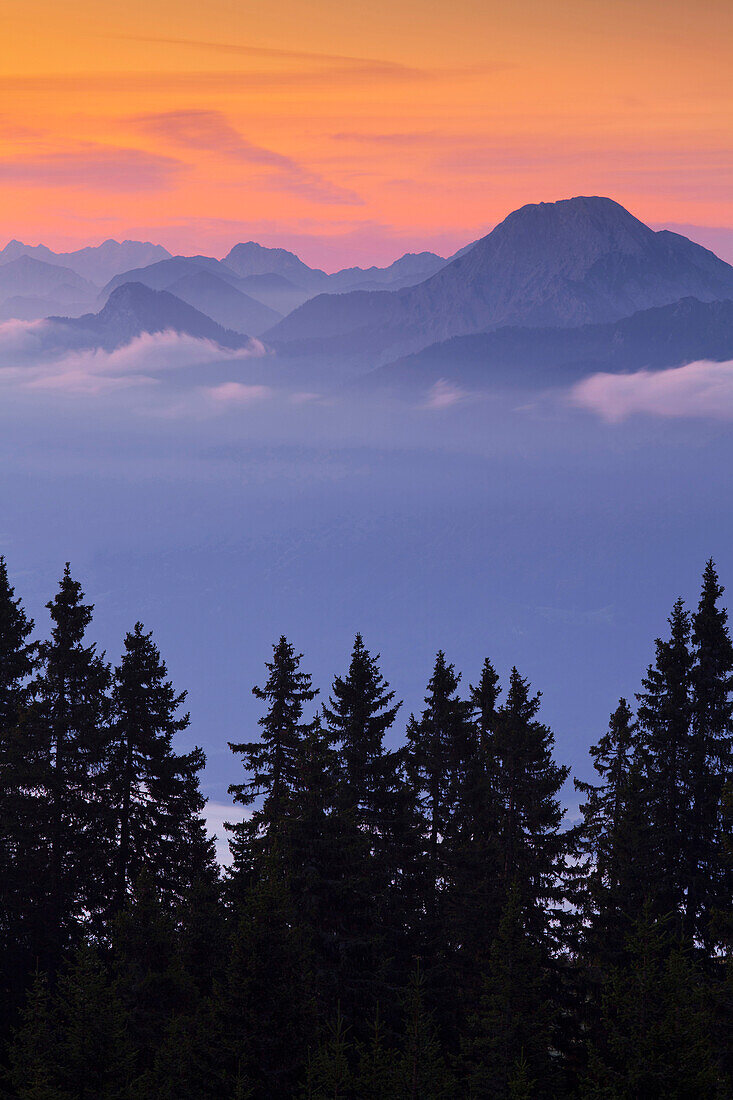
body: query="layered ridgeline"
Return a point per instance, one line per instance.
(133, 310)
(410, 912)
(564, 264)
(96, 263)
(512, 356)
(555, 291)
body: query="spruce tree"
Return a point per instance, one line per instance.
(155, 794)
(329, 1075)
(150, 978)
(264, 1019)
(72, 716)
(613, 873)
(474, 895)
(532, 847)
(274, 764)
(372, 830)
(664, 717)
(710, 872)
(514, 1018)
(374, 1076)
(73, 1044)
(435, 745)
(32, 1051)
(20, 762)
(656, 1032)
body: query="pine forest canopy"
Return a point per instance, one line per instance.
(415, 922)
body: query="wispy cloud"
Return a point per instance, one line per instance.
(211, 131)
(443, 395)
(701, 389)
(378, 66)
(100, 167)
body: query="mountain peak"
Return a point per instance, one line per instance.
(133, 309)
(584, 260)
(251, 258)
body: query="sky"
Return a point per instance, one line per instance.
(351, 133)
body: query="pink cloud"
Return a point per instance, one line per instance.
(101, 167)
(701, 389)
(443, 395)
(237, 393)
(212, 131)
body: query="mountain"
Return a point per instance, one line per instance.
(134, 309)
(162, 274)
(254, 260)
(569, 263)
(665, 336)
(251, 258)
(97, 263)
(28, 284)
(274, 291)
(412, 268)
(223, 302)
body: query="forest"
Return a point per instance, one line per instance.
(410, 913)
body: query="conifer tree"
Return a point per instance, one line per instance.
(374, 1077)
(532, 845)
(20, 761)
(152, 983)
(664, 716)
(329, 1076)
(265, 1011)
(158, 828)
(31, 1054)
(655, 1037)
(421, 1070)
(710, 873)
(614, 871)
(274, 764)
(474, 894)
(73, 717)
(514, 1017)
(435, 745)
(371, 823)
(73, 1045)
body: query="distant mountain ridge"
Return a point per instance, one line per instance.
(574, 262)
(209, 285)
(31, 288)
(652, 339)
(133, 310)
(97, 263)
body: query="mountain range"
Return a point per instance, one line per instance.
(512, 356)
(556, 290)
(574, 262)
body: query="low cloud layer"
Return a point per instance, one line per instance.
(701, 389)
(34, 358)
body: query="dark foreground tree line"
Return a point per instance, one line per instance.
(416, 923)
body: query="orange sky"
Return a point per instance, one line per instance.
(353, 131)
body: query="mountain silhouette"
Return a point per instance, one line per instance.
(412, 268)
(250, 258)
(223, 302)
(163, 273)
(653, 339)
(97, 263)
(133, 309)
(26, 275)
(569, 263)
